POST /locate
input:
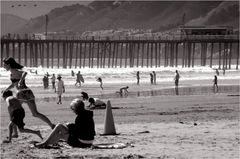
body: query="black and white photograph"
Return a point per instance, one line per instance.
(120, 79)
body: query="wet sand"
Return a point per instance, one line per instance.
(155, 122)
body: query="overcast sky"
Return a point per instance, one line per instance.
(32, 9)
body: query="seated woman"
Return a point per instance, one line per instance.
(79, 134)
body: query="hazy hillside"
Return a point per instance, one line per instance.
(156, 15)
(224, 14)
(11, 23)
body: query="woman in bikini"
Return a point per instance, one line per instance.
(24, 94)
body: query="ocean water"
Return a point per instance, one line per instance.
(120, 75)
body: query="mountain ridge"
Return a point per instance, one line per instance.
(155, 15)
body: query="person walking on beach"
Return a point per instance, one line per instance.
(138, 77)
(53, 81)
(99, 79)
(79, 79)
(24, 94)
(17, 115)
(79, 134)
(60, 89)
(151, 78)
(215, 85)
(154, 77)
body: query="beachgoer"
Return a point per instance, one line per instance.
(45, 82)
(84, 96)
(215, 85)
(224, 71)
(24, 94)
(176, 78)
(95, 103)
(60, 89)
(138, 77)
(79, 79)
(17, 115)
(47, 79)
(123, 90)
(154, 77)
(151, 78)
(72, 72)
(99, 79)
(217, 72)
(53, 81)
(79, 134)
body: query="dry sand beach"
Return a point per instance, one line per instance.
(154, 124)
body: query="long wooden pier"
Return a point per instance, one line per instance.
(187, 51)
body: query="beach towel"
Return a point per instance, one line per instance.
(111, 146)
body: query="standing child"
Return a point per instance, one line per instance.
(100, 80)
(17, 115)
(60, 89)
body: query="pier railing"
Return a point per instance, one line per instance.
(173, 51)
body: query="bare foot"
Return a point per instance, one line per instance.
(39, 134)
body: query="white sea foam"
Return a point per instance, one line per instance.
(121, 75)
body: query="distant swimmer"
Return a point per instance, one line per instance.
(99, 79)
(215, 85)
(123, 91)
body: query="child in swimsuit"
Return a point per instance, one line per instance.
(17, 115)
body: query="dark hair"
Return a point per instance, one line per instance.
(84, 95)
(13, 64)
(7, 93)
(77, 106)
(91, 100)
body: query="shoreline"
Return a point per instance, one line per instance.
(161, 126)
